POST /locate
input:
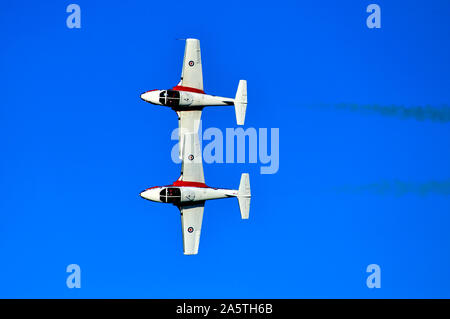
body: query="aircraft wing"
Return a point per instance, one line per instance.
(191, 223)
(192, 166)
(191, 74)
(188, 122)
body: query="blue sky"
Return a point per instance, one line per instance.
(78, 145)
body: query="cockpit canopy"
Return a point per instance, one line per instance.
(169, 98)
(170, 195)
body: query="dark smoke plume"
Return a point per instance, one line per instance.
(399, 188)
(419, 113)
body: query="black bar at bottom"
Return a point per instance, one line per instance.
(225, 308)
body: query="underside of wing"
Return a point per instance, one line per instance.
(191, 223)
(190, 151)
(188, 122)
(191, 74)
(192, 166)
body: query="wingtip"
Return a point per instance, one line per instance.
(190, 254)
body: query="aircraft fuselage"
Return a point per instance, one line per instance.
(184, 98)
(183, 195)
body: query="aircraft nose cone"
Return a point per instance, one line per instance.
(151, 194)
(150, 96)
(144, 194)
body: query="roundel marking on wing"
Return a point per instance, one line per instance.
(190, 229)
(191, 157)
(191, 63)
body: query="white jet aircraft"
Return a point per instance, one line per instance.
(190, 192)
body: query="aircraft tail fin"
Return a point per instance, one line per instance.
(244, 195)
(240, 102)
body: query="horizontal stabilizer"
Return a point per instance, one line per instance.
(244, 196)
(240, 102)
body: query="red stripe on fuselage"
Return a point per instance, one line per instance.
(151, 187)
(187, 89)
(189, 184)
(180, 182)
